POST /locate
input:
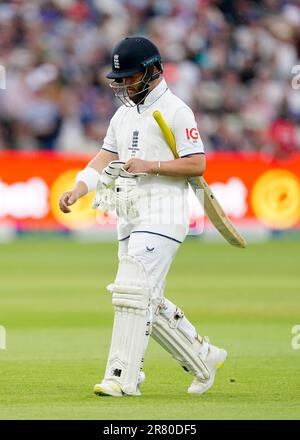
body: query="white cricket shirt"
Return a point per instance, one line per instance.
(134, 133)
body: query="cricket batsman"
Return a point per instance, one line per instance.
(135, 172)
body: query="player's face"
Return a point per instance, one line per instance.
(134, 85)
(130, 90)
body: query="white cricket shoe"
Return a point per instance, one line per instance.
(110, 388)
(214, 360)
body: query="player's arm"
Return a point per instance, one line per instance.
(189, 147)
(90, 176)
(86, 180)
(192, 165)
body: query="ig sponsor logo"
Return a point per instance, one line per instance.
(295, 342)
(192, 133)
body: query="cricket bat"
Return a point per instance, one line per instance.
(212, 207)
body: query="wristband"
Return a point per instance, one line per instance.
(89, 176)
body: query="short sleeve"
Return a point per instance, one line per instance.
(186, 133)
(110, 140)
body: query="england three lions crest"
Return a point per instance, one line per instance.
(116, 62)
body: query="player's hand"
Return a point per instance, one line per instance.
(67, 199)
(138, 166)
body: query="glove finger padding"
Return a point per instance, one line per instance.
(115, 166)
(111, 172)
(124, 173)
(126, 193)
(121, 196)
(104, 198)
(104, 194)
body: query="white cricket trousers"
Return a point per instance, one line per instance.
(156, 253)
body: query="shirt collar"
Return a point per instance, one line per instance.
(155, 94)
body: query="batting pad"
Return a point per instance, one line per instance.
(131, 298)
(172, 331)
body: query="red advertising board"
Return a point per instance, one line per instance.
(251, 188)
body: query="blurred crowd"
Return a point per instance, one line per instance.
(234, 62)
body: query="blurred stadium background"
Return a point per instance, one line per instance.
(237, 64)
(234, 62)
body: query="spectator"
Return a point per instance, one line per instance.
(230, 60)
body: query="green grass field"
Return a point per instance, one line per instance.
(58, 318)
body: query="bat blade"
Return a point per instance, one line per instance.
(212, 207)
(215, 212)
